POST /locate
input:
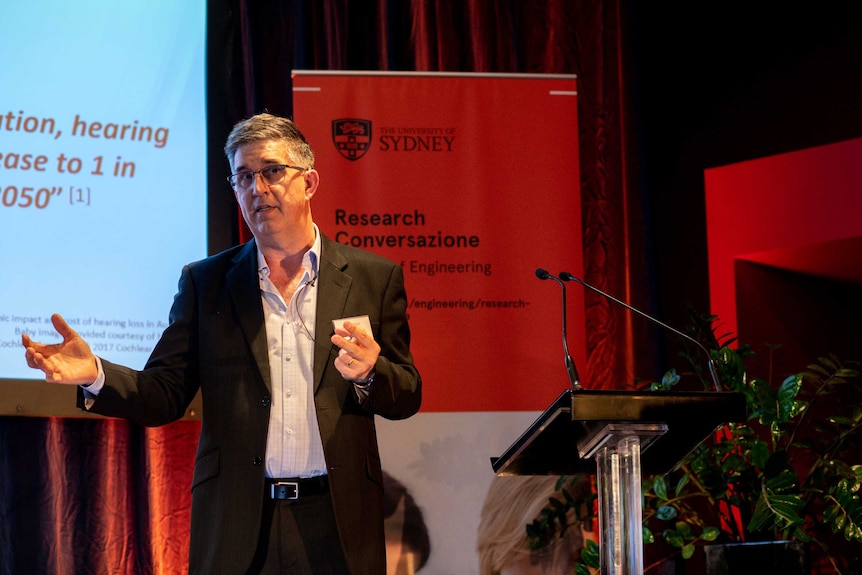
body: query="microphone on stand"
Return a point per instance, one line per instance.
(574, 380)
(566, 276)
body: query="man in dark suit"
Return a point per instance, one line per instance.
(287, 477)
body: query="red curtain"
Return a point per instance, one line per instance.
(587, 38)
(103, 496)
(94, 496)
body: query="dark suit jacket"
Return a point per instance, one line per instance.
(216, 341)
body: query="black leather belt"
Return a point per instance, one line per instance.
(296, 488)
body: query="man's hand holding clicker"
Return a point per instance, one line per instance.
(358, 351)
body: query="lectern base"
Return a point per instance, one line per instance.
(617, 451)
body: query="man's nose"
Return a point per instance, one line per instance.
(258, 182)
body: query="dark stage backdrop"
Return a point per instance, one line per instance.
(98, 496)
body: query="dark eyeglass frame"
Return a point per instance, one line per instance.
(235, 182)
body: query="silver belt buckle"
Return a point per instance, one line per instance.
(284, 490)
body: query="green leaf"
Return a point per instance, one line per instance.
(590, 554)
(818, 371)
(828, 363)
(732, 462)
(788, 406)
(776, 511)
(731, 368)
(670, 379)
(783, 483)
(555, 503)
(789, 388)
(759, 452)
(688, 551)
(765, 402)
(710, 533)
(648, 537)
(683, 481)
(666, 512)
(673, 538)
(660, 488)
(684, 529)
(844, 514)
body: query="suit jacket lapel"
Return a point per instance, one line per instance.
(333, 288)
(244, 288)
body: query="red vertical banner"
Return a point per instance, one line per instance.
(471, 182)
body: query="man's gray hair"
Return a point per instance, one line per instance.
(263, 127)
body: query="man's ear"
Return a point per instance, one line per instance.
(312, 181)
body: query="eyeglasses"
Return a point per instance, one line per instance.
(272, 175)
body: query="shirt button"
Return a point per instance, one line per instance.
(257, 461)
(264, 401)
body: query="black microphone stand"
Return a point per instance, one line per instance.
(574, 380)
(566, 276)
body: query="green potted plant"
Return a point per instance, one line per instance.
(792, 472)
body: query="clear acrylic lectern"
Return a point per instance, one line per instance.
(618, 435)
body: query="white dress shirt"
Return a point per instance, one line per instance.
(293, 446)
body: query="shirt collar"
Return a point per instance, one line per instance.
(310, 260)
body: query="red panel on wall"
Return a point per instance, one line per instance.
(798, 211)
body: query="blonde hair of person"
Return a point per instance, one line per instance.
(511, 504)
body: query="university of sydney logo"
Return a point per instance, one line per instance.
(351, 136)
